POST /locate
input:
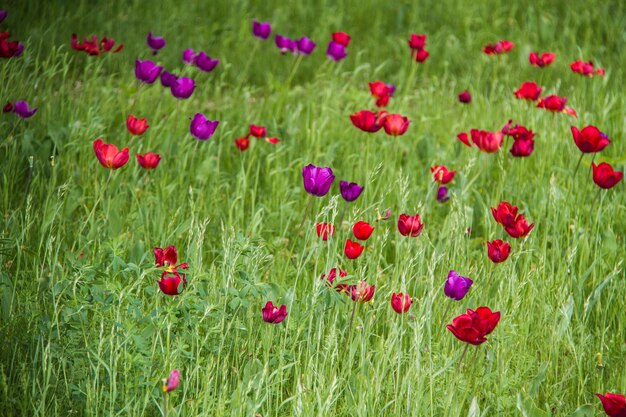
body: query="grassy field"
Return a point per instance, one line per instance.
(84, 327)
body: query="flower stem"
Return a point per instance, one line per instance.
(293, 70)
(463, 355)
(578, 164)
(164, 403)
(352, 318)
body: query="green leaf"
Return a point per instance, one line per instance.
(583, 411)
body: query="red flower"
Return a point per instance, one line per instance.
(9, 49)
(362, 230)
(590, 139)
(465, 97)
(517, 132)
(473, 326)
(395, 124)
(272, 141)
(273, 314)
(463, 137)
(442, 175)
(353, 249)
(421, 55)
(486, 141)
(505, 213)
(528, 91)
(498, 48)
(410, 225)
(136, 126)
(167, 258)
(556, 104)
(381, 92)
(367, 121)
(172, 282)
(7, 107)
(258, 131)
(614, 404)
(585, 68)
(519, 228)
(400, 302)
(498, 251)
(324, 230)
(92, 47)
(542, 60)
(109, 156)
(417, 42)
(522, 147)
(342, 38)
(362, 291)
(242, 143)
(149, 160)
(332, 275)
(604, 176)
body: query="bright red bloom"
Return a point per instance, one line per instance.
(149, 160)
(332, 275)
(498, 251)
(362, 291)
(528, 91)
(167, 258)
(486, 141)
(367, 121)
(590, 139)
(542, 60)
(109, 156)
(273, 314)
(522, 147)
(401, 303)
(517, 132)
(381, 92)
(325, 230)
(242, 143)
(585, 68)
(473, 326)
(498, 48)
(421, 55)
(9, 49)
(172, 282)
(442, 175)
(417, 42)
(519, 228)
(272, 141)
(395, 124)
(465, 97)
(353, 249)
(463, 137)
(556, 104)
(258, 131)
(505, 213)
(136, 126)
(614, 404)
(362, 230)
(604, 176)
(92, 47)
(342, 38)
(410, 225)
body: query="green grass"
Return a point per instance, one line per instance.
(84, 328)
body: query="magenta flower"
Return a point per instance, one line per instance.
(147, 71)
(3, 15)
(350, 191)
(172, 382)
(273, 314)
(457, 286)
(202, 128)
(261, 30)
(305, 45)
(205, 63)
(285, 44)
(183, 87)
(442, 194)
(167, 79)
(317, 180)
(22, 110)
(155, 42)
(336, 51)
(189, 56)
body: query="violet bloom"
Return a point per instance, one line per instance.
(457, 286)
(147, 71)
(442, 194)
(21, 109)
(350, 191)
(285, 44)
(261, 30)
(183, 87)
(155, 42)
(3, 15)
(392, 89)
(205, 63)
(167, 79)
(317, 180)
(202, 128)
(172, 382)
(189, 56)
(336, 51)
(305, 45)
(385, 215)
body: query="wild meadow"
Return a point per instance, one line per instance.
(332, 208)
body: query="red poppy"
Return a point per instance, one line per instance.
(498, 251)
(341, 38)
(9, 49)
(519, 228)
(473, 326)
(556, 104)
(273, 314)
(486, 141)
(505, 213)
(136, 126)
(172, 282)
(542, 60)
(272, 141)
(242, 143)
(7, 107)
(395, 124)
(258, 131)
(362, 291)
(92, 47)
(614, 404)
(498, 48)
(367, 121)
(332, 275)
(417, 42)
(109, 156)
(401, 303)
(604, 175)
(517, 132)
(421, 55)
(528, 91)
(353, 249)
(325, 230)
(465, 97)
(381, 92)
(585, 68)
(522, 147)
(149, 160)
(442, 175)
(590, 139)
(410, 225)
(362, 230)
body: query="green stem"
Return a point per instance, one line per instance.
(463, 355)
(293, 70)
(578, 164)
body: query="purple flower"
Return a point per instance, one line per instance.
(285, 44)
(305, 45)
(392, 89)
(202, 128)
(442, 194)
(189, 56)
(350, 191)
(147, 71)
(385, 215)
(172, 382)
(167, 79)
(317, 180)
(183, 87)
(3, 15)
(21, 109)
(261, 30)
(155, 42)
(336, 51)
(457, 286)
(205, 63)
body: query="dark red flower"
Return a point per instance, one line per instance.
(9, 49)
(342, 38)
(498, 48)
(519, 227)
(442, 175)
(505, 213)
(465, 97)
(172, 282)
(367, 121)
(273, 314)
(93, 47)
(382, 92)
(332, 275)
(242, 143)
(421, 55)
(417, 42)
(585, 68)
(401, 303)
(528, 91)
(486, 141)
(522, 147)
(410, 225)
(395, 124)
(542, 60)
(614, 404)
(590, 139)
(7, 107)
(353, 249)
(604, 175)
(258, 131)
(325, 230)
(498, 251)
(473, 326)
(362, 291)
(362, 230)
